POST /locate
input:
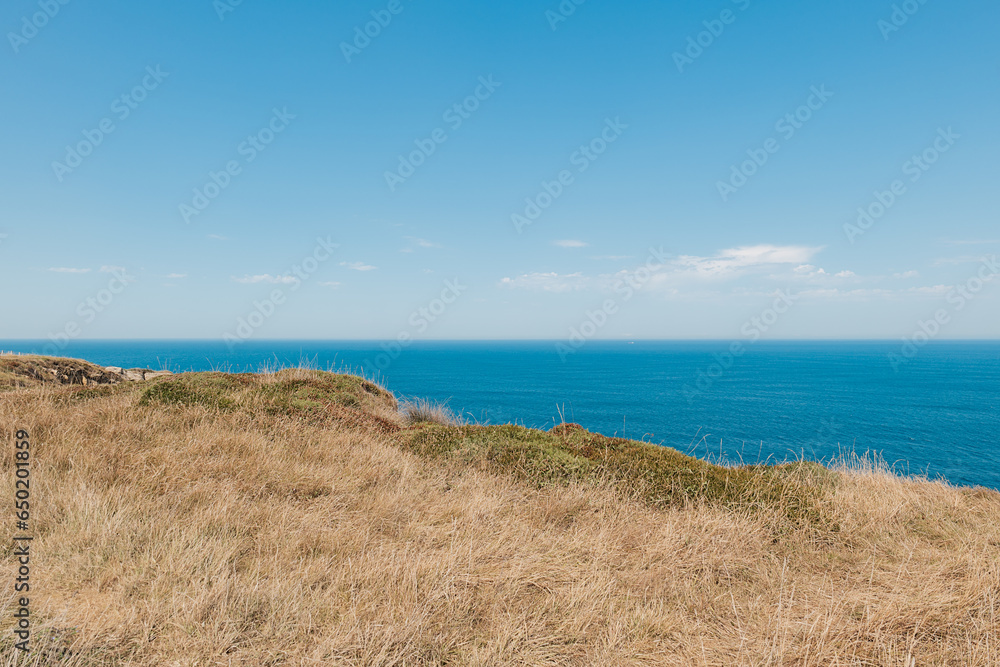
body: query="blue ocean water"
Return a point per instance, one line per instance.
(936, 414)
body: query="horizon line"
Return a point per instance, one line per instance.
(507, 340)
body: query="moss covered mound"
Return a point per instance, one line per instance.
(315, 396)
(660, 475)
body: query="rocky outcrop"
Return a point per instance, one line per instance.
(28, 371)
(136, 374)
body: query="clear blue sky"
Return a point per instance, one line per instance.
(671, 128)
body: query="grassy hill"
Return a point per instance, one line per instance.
(304, 517)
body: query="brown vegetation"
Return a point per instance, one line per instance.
(299, 518)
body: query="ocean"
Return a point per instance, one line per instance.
(933, 410)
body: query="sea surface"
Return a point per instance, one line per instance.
(935, 413)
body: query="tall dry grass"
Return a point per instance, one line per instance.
(424, 411)
(190, 536)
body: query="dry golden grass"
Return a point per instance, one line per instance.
(423, 411)
(173, 527)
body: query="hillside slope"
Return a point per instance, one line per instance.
(299, 518)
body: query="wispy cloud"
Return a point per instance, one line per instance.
(112, 269)
(836, 294)
(218, 237)
(64, 269)
(176, 276)
(810, 274)
(933, 290)
(808, 270)
(748, 270)
(358, 266)
(677, 280)
(330, 284)
(546, 282)
(735, 259)
(266, 278)
(416, 243)
(570, 243)
(667, 278)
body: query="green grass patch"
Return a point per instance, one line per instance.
(314, 396)
(211, 390)
(316, 393)
(660, 475)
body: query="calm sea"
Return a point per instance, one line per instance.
(937, 414)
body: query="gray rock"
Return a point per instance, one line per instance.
(135, 374)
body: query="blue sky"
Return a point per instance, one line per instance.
(303, 130)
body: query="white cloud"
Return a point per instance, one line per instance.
(176, 276)
(330, 284)
(905, 275)
(807, 271)
(546, 282)
(266, 278)
(570, 243)
(218, 237)
(734, 259)
(934, 290)
(63, 269)
(861, 294)
(418, 243)
(814, 275)
(358, 266)
(677, 276)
